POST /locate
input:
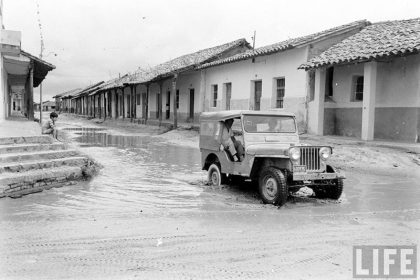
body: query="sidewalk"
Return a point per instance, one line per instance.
(342, 140)
(19, 127)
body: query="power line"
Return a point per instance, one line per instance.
(40, 56)
(40, 29)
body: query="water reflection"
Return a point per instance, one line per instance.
(139, 172)
(85, 129)
(102, 139)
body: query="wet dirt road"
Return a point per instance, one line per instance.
(149, 215)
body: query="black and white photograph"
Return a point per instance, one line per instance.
(206, 139)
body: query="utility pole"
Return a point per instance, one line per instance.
(40, 90)
(40, 56)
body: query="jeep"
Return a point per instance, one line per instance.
(274, 157)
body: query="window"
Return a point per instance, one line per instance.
(177, 98)
(214, 95)
(357, 94)
(269, 124)
(138, 98)
(280, 92)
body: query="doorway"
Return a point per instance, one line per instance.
(144, 104)
(168, 104)
(191, 113)
(228, 94)
(257, 95)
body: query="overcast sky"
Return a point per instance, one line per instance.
(94, 40)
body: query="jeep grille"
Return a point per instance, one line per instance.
(309, 156)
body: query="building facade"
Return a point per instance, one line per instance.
(368, 86)
(268, 77)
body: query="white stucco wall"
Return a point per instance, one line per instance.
(185, 82)
(397, 100)
(398, 84)
(242, 75)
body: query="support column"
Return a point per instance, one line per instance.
(109, 98)
(202, 94)
(159, 97)
(30, 107)
(147, 103)
(135, 101)
(105, 103)
(174, 80)
(319, 101)
(123, 103)
(114, 104)
(369, 100)
(131, 104)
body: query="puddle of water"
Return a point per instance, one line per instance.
(103, 139)
(142, 173)
(83, 129)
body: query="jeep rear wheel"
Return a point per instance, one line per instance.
(214, 176)
(272, 186)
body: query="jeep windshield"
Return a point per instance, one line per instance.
(269, 124)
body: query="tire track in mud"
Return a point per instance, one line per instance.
(223, 257)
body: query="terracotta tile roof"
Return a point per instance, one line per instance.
(288, 44)
(67, 93)
(87, 90)
(110, 84)
(185, 62)
(382, 39)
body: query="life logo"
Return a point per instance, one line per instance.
(384, 261)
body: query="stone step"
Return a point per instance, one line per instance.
(29, 147)
(41, 164)
(39, 155)
(45, 139)
(18, 184)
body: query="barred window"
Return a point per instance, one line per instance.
(214, 95)
(280, 88)
(357, 88)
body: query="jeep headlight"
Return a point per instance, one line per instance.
(294, 153)
(325, 153)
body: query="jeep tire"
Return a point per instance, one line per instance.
(272, 186)
(333, 191)
(214, 176)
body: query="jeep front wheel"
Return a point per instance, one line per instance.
(214, 176)
(335, 191)
(272, 186)
(332, 191)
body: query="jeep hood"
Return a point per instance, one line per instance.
(268, 149)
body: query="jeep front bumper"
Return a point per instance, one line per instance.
(317, 176)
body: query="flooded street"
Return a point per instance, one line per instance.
(149, 214)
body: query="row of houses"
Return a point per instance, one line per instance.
(361, 80)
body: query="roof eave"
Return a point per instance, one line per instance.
(311, 66)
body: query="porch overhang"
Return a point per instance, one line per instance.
(18, 66)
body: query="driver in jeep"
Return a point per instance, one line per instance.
(233, 146)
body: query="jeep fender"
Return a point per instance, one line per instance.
(261, 162)
(211, 158)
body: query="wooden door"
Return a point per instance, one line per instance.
(257, 95)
